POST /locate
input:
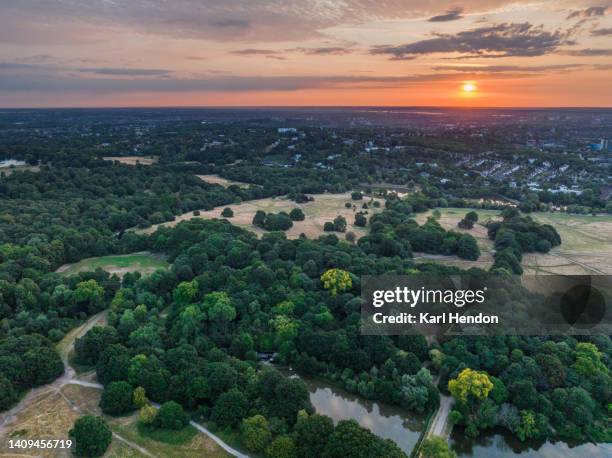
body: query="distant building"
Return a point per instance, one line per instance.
(286, 130)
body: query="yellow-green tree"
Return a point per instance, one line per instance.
(470, 384)
(336, 281)
(147, 414)
(140, 397)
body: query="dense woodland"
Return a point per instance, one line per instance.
(188, 338)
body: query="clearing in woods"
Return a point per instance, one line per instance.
(586, 246)
(133, 160)
(216, 179)
(325, 207)
(144, 262)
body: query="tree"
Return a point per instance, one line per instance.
(117, 398)
(312, 433)
(350, 237)
(256, 433)
(91, 435)
(113, 364)
(89, 297)
(360, 219)
(227, 212)
(230, 408)
(259, 219)
(282, 447)
(42, 365)
(185, 292)
(297, 214)
(436, 447)
(147, 414)
(470, 384)
(329, 226)
(467, 248)
(8, 396)
(139, 397)
(471, 216)
(340, 223)
(292, 396)
(88, 348)
(356, 195)
(336, 281)
(171, 416)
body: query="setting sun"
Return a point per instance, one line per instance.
(469, 87)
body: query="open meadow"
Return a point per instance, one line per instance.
(325, 207)
(146, 263)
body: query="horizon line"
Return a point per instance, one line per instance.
(480, 107)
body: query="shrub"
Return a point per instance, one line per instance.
(227, 212)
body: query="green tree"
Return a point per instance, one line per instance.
(139, 397)
(467, 248)
(8, 396)
(171, 416)
(91, 435)
(360, 219)
(227, 212)
(147, 414)
(297, 214)
(312, 433)
(117, 398)
(282, 447)
(436, 447)
(186, 292)
(340, 223)
(89, 296)
(256, 433)
(88, 348)
(230, 408)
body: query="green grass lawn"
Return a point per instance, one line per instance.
(145, 263)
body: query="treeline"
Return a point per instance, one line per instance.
(85, 209)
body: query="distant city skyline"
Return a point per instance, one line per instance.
(496, 53)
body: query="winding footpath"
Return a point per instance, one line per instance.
(69, 377)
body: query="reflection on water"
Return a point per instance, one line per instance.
(388, 422)
(499, 443)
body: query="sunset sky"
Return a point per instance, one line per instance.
(305, 52)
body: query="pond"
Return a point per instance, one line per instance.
(386, 421)
(499, 443)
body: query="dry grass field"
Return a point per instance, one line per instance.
(324, 208)
(133, 160)
(586, 246)
(216, 179)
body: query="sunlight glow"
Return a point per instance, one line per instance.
(469, 87)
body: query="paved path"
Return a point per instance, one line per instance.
(440, 420)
